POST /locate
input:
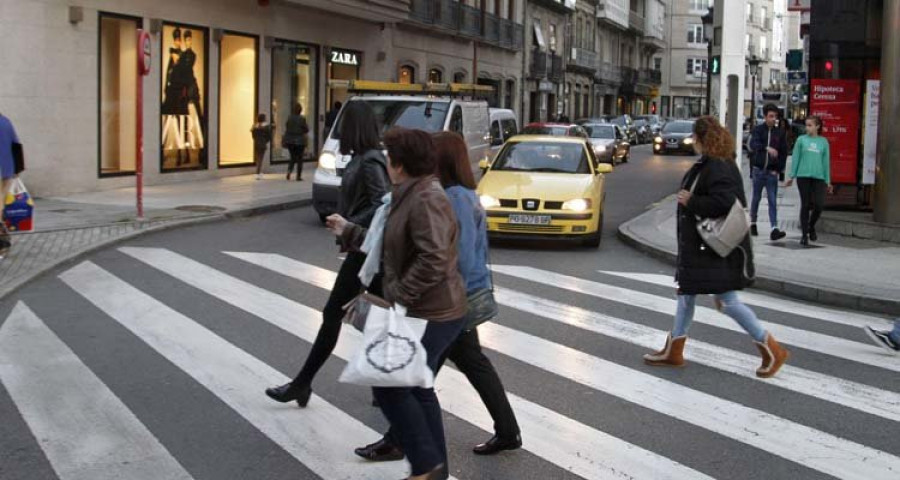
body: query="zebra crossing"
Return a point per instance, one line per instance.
(86, 431)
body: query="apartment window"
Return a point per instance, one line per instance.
(118, 94)
(407, 74)
(774, 76)
(763, 46)
(552, 32)
(701, 5)
(695, 34)
(511, 14)
(538, 35)
(696, 66)
(435, 75)
(763, 15)
(749, 12)
(657, 64)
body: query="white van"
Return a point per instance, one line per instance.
(504, 125)
(470, 118)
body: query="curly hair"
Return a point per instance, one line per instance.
(716, 141)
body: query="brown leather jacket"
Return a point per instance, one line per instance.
(420, 257)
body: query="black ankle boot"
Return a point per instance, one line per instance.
(288, 392)
(804, 240)
(812, 235)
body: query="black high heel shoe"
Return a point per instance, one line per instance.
(288, 392)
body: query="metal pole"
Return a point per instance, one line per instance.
(139, 161)
(887, 171)
(753, 98)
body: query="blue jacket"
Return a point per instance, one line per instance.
(763, 137)
(472, 243)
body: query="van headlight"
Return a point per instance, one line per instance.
(488, 201)
(328, 162)
(577, 205)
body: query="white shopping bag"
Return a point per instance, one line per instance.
(391, 352)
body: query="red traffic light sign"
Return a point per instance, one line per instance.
(145, 56)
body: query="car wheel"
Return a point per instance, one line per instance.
(593, 241)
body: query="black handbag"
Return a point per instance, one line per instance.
(18, 155)
(481, 307)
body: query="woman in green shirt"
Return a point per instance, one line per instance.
(811, 166)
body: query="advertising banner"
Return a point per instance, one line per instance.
(870, 131)
(836, 102)
(183, 110)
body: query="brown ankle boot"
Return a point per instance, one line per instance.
(773, 357)
(672, 355)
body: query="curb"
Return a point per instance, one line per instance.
(77, 255)
(793, 289)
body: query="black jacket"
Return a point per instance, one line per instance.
(700, 269)
(763, 137)
(295, 131)
(363, 184)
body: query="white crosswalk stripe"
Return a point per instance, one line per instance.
(824, 344)
(787, 439)
(93, 435)
(86, 432)
(840, 317)
(565, 442)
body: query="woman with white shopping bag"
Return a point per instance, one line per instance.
(419, 260)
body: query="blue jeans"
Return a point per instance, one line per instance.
(764, 179)
(895, 333)
(731, 306)
(415, 413)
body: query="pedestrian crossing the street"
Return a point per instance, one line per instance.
(88, 430)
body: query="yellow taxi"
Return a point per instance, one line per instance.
(541, 186)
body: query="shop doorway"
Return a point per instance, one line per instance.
(294, 73)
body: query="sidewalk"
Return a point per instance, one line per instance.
(838, 270)
(69, 227)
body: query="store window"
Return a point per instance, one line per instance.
(435, 75)
(238, 93)
(407, 75)
(183, 110)
(293, 83)
(118, 95)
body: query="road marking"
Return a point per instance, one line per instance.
(236, 377)
(795, 442)
(85, 431)
(567, 443)
(817, 342)
(839, 317)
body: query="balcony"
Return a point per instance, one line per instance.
(559, 6)
(629, 80)
(636, 22)
(467, 21)
(650, 77)
(539, 61)
(608, 74)
(583, 60)
(614, 13)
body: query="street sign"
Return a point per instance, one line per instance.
(795, 97)
(797, 78)
(794, 60)
(146, 57)
(715, 67)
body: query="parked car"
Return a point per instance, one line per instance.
(627, 125)
(675, 137)
(608, 142)
(504, 125)
(543, 186)
(555, 129)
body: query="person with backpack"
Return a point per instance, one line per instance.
(768, 160)
(811, 166)
(262, 136)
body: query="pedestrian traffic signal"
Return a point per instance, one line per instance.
(715, 67)
(829, 66)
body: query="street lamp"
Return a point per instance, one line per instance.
(708, 37)
(754, 62)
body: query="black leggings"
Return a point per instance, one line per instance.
(296, 159)
(812, 200)
(346, 286)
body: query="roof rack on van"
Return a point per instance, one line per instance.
(434, 89)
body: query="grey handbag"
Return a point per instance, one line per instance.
(724, 234)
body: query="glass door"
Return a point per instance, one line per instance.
(293, 90)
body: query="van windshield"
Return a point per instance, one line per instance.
(423, 115)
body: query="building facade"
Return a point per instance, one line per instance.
(216, 64)
(684, 64)
(545, 62)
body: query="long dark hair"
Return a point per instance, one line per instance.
(359, 129)
(452, 156)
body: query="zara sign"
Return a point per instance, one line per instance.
(344, 57)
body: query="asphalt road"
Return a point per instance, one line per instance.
(148, 361)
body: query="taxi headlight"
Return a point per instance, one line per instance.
(577, 205)
(328, 162)
(689, 141)
(488, 201)
(658, 139)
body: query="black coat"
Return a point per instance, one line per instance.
(761, 139)
(700, 269)
(363, 184)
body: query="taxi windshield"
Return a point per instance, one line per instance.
(418, 114)
(552, 157)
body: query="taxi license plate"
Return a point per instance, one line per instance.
(529, 219)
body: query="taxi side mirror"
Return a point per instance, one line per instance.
(604, 168)
(484, 164)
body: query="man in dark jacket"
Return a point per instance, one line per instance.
(768, 159)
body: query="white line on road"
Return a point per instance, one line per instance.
(795, 442)
(840, 317)
(86, 432)
(817, 342)
(317, 436)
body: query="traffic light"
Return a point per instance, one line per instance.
(829, 66)
(653, 108)
(715, 68)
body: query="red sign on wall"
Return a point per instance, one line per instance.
(837, 103)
